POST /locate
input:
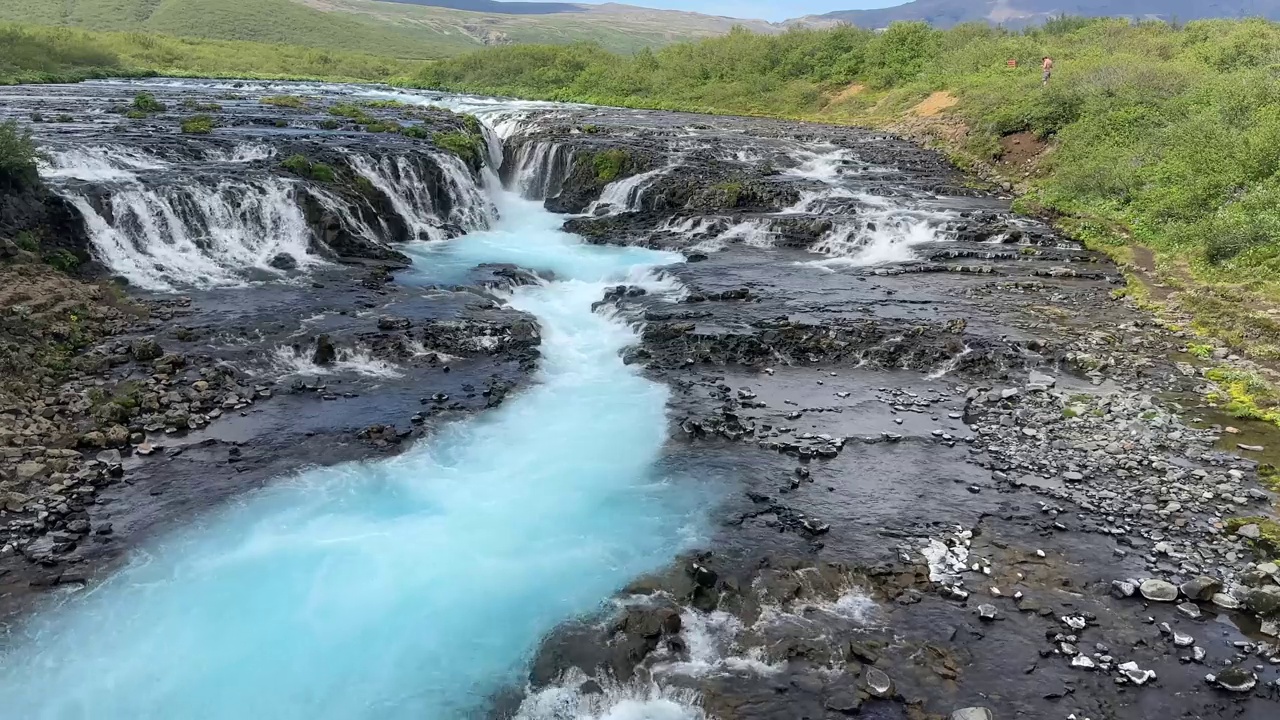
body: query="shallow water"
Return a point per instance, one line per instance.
(412, 587)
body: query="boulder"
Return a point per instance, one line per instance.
(283, 261)
(1264, 602)
(325, 353)
(145, 350)
(1200, 588)
(1158, 590)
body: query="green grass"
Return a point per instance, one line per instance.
(41, 54)
(609, 164)
(198, 125)
(284, 101)
(465, 145)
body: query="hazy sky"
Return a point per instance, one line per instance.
(765, 9)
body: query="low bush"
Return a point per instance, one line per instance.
(18, 155)
(198, 125)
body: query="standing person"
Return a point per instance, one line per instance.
(1046, 65)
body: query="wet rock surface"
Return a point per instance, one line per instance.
(957, 475)
(968, 482)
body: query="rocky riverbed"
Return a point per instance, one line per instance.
(959, 474)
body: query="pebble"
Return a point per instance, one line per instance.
(988, 612)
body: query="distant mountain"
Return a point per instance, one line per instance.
(1020, 13)
(397, 28)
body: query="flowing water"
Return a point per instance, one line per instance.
(413, 587)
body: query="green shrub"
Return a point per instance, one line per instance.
(418, 132)
(303, 166)
(64, 119)
(284, 101)
(136, 115)
(62, 260)
(198, 125)
(28, 241)
(465, 145)
(609, 164)
(382, 126)
(386, 104)
(732, 192)
(329, 124)
(145, 102)
(18, 155)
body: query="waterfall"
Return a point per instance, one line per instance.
(200, 234)
(540, 168)
(412, 195)
(626, 194)
(103, 163)
(879, 237)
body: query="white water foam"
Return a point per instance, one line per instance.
(396, 178)
(883, 233)
(636, 700)
(625, 194)
(99, 163)
(198, 235)
(751, 233)
(289, 361)
(242, 153)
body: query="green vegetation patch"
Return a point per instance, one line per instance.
(145, 102)
(284, 101)
(1244, 394)
(198, 125)
(303, 166)
(62, 260)
(1269, 541)
(467, 146)
(201, 107)
(610, 164)
(18, 155)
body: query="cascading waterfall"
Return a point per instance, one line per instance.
(199, 234)
(540, 168)
(876, 240)
(625, 194)
(412, 587)
(98, 164)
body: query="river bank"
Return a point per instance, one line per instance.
(917, 454)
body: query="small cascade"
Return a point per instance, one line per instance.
(539, 168)
(241, 153)
(202, 234)
(878, 238)
(751, 233)
(104, 163)
(625, 194)
(396, 178)
(472, 209)
(427, 208)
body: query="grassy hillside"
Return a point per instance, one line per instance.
(1157, 137)
(42, 54)
(386, 28)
